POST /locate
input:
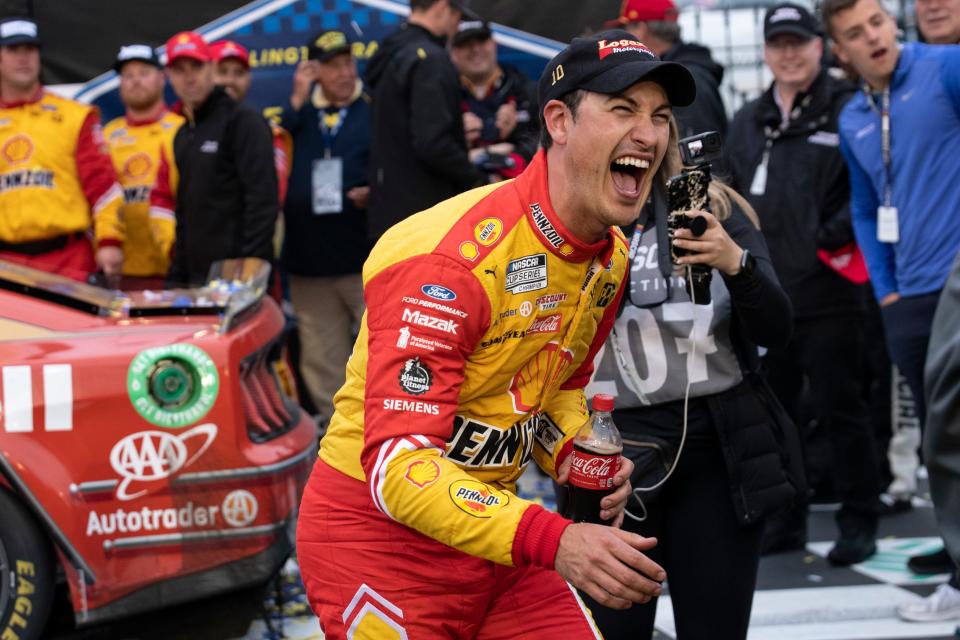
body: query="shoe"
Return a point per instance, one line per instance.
(941, 605)
(890, 505)
(852, 548)
(929, 564)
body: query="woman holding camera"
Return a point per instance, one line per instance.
(706, 436)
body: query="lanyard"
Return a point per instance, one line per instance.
(884, 140)
(330, 125)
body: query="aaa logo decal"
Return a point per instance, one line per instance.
(148, 456)
(17, 149)
(488, 231)
(422, 473)
(477, 499)
(137, 165)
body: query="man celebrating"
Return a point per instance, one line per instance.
(419, 153)
(784, 157)
(655, 23)
(484, 314)
(136, 140)
(499, 115)
(56, 180)
(226, 201)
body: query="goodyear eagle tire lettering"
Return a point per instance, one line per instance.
(27, 573)
(173, 386)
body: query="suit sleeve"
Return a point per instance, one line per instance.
(163, 221)
(437, 131)
(98, 179)
(863, 211)
(410, 402)
(253, 146)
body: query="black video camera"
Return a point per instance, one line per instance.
(686, 192)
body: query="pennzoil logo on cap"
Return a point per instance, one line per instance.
(605, 48)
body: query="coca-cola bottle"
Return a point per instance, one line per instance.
(594, 462)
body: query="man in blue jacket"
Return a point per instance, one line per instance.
(326, 239)
(899, 138)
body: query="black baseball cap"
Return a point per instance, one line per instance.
(470, 29)
(610, 62)
(791, 18)
(139, 52)
(328, 44)
(14, 31)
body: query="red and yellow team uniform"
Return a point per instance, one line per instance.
(135, 147)
(483, 317)
(56, 181)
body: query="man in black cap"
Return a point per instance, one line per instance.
(135, 140)
(499, 112)
(419, 154)
(484, 314)
(325, 213)
(783, 153)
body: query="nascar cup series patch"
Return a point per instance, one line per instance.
(173, 386)
(476, 498)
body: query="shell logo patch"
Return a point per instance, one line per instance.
(469, 250)
(477, 499)
(137, 165)
(540, 376)
(422, 473)
(488, 231)
(18, 149)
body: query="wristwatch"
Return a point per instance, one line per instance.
(748, 264)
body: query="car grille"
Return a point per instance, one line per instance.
(269, 395)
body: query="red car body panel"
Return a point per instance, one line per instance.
(142, 513)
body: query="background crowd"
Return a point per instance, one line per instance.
(847, 161)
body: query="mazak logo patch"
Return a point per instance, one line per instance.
(528, 273)
(424, 320)
(415, 377)
(605, 48)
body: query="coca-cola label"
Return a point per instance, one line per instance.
(593, 471)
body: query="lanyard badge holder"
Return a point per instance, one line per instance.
(327, 176)
(888, 224)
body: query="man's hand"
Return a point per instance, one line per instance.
(607, 564)
(110, 260)
(359, 196)
(613, 505)
(303, 78)
(506, 120)
(889, 299)
(472, 127)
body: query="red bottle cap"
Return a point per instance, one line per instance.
(602, 402)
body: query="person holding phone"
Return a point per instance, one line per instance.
(685, 373)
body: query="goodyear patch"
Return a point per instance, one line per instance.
(477, 499)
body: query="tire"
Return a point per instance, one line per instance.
(27, 573)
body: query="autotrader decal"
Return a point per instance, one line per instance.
(173, 386)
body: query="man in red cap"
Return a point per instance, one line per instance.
(225, 205)
(654, 22)
(232, 72)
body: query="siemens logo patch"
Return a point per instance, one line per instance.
(528, 273)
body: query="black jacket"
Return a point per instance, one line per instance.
(805, 205)
(512, 87)
(419, 152)
(227, 197)
(329, 244)
(707, 112)
(760, 444)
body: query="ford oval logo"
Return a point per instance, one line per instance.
(437, 292)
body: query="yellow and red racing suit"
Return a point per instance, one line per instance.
(135, 147)
(56, 178)
(483, 317)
